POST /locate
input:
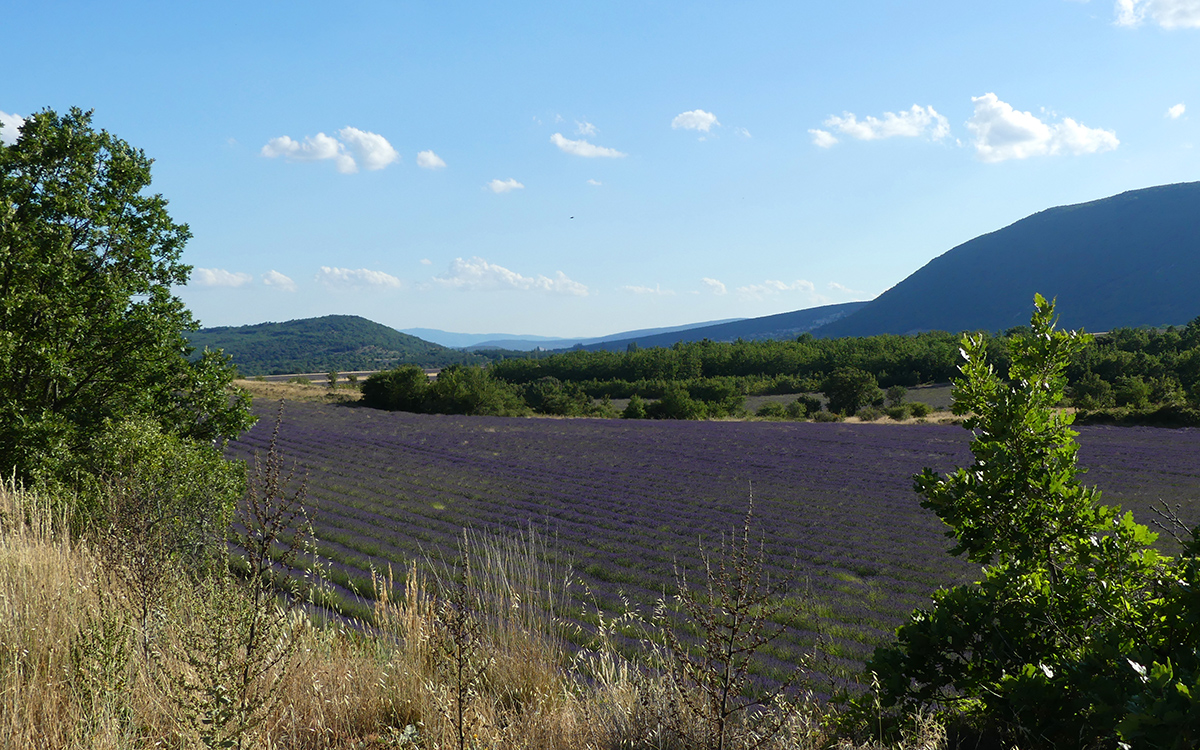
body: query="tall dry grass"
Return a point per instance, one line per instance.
(82, 667)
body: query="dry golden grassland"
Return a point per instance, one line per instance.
(468, 658)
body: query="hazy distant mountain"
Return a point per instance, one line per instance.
(787, 325)
(335, 342)
(1129, 260)
(528, 343)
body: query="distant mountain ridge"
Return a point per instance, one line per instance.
(1129, 260)
(787, 325)
(529, 343)
(333, 342)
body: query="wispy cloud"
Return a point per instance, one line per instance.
(843, 289)
(595, 183)
(372, 149)
(714, 286)
(697, 119)
(10, 126)
(772, 287)
(476, 274)
(1169, 14)
(656, 290)
(356, 278)
(1176, 112)
(220, 277)
(914, 122)
(584, 128)
(1002, 133)
(583, 148)
(504, 186)
(822, 138)
(279, 281)
(430, 160)
(742, 132)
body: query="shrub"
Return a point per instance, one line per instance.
(635, 409)
(402, 389)
(849, 388)
(1079, 633)
(772, 409)
(869, 413)
(898, 413)
(895, 395)
(919, 409)
(826, 416)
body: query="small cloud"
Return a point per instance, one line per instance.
(772, 287)
(595, 183)
(430, 160)
(372, 149)
(10, 126)
(742, 132)
(476, 274)
(822, 138)
(716, 287)
(584, 128)
(910, 123)
(220, 277)
(276, 279)
(697, 119)
(1002, 133)
(1177, 111)
(559, 118)
(504, 186)
(1169, 14)
(583, 148)
(314, 148)
(426, 262)
(356, 278)
(655, 290)
(843, 289)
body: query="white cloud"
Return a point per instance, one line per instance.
(1177, 111)
(220, 277)
(426, 262)
(772, 287)
(1170, 14)
(843, 289)
(584, 128)
(822, 138)
(372, 149)
(430, 160)
(314, 148)
(1002, 132)
(9, 127)
(911, 123)
(595, 183)
(583, 148)
(655, 290)
(356, 278)
(276, 279)
(503, 186)
(477, 274)
(743, 132)
(697, 119)
(715, 286)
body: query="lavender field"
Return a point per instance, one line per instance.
(627, 500)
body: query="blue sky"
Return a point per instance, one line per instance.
(582, 168)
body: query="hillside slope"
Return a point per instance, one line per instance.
(334, 342)
(787, 325)
(1129, 260)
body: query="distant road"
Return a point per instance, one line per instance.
(323, 377)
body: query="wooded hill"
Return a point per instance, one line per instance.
(333, 342)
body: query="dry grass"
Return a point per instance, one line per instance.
(74, 672)
(316, 392)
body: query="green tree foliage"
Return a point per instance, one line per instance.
(849, 389)
(635, 409)
(456, 390)
(402, 389)
(89, 329)
(1080, 633)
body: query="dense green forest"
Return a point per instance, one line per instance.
(345, 343)
(1128, 375)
